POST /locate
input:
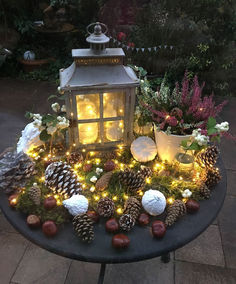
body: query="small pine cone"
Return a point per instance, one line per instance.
(103, 182)
(204, 191)
(75, 157)
(83, 226)
(212, 177)
(208, 158)
(133, 180)
(175, 211)
(35, 194)
(105, 207)
(145, 171)
(132, 207)
(126, 222)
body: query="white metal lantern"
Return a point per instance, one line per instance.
(100, 94)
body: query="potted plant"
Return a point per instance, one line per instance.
(183, 114)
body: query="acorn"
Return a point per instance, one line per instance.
(87, 168)
(33, 221)
(93, 215)
(120, 241)
(49, 228)
(143, 219)
(192, 206)
(112, 225)
(109, 166)
(158, 229)
(50, 202)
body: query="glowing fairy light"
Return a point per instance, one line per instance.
(170, 200)
(119, 210)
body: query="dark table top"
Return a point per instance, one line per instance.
(142, 244)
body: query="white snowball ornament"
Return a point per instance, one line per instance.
(154, 202)
(143, 149)
(29, 139)
(77, 204)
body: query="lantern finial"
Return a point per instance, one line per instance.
(97, 39)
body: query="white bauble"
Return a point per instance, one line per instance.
(154, 202)
(29, 139)
(29, 55)
(143, 149)
(77, 204)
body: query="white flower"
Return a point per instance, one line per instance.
(222, 127)
(37, 116)
(135, 68)
(93, 179)
(196, 132)
(202, 140)
(99, 171)
(141, 81)
(35, 184)
(51, 130)
(37, 123)
(55, 107)
(63, 122)
(186, 193)
(63, 108)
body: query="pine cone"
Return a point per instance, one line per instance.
(15, 170)
(132, 207)
(83, 226)
(204, 191)
(145, 171)
(62, 180)
(212, 177)
(35, 194)
(133, 180)
(208, 158)
(75, 157)
(103, 182)
(105, 207)
(126, 222)
(175, 211)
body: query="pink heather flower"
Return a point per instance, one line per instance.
(185, 87)
(176, 112)
(172, 121)
(121, 36)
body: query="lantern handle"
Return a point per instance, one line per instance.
(99, 28)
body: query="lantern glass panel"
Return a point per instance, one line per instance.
(113, 104)
(88, 106)
(88, 132)
(114, 130)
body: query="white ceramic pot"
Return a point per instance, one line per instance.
(168, 146)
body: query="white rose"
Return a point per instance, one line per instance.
(63, 108)
(37, 116)
(186, 193)
(222, 127)
(93, 179)
(51, 130)
(99, 171)
(55, 107)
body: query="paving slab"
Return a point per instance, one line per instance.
(83, 272)
(227, 222)
(143, 272)
(186, 273)
(12, 248)
(206, 249)
(228, 153)
(231, 182)
(42, 267)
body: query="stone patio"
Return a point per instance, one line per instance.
(209, 259)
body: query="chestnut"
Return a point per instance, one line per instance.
(49, 228)
(112, 225)
(120, 241)
(192, 206)
(143, 219)
(158, 229)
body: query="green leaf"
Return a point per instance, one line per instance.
(184, 143)
(194, 146)
(211, 122)
(216, 139)
(28, 115)
(62, 98)
(44, 136)
(52, 97)
(211, 131)
(48, 118)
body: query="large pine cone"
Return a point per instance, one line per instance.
(204, 191)
(105, 207)
(83, 226)
(208, 158)
(175, 211)
(134, 181)
(62, 180)
(126, 222)
(103, 181)
(132, 207)
(212, 177)
(35, 194)
(145, 171)
(15, 170)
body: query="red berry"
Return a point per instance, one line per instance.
(158, 229)
(112, 225)
(192, 206)
(120, 241)
(49, 228)
(49, 203)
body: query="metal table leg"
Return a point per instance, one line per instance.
(165, 258)
(102, 273)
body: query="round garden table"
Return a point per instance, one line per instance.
(142, 244)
